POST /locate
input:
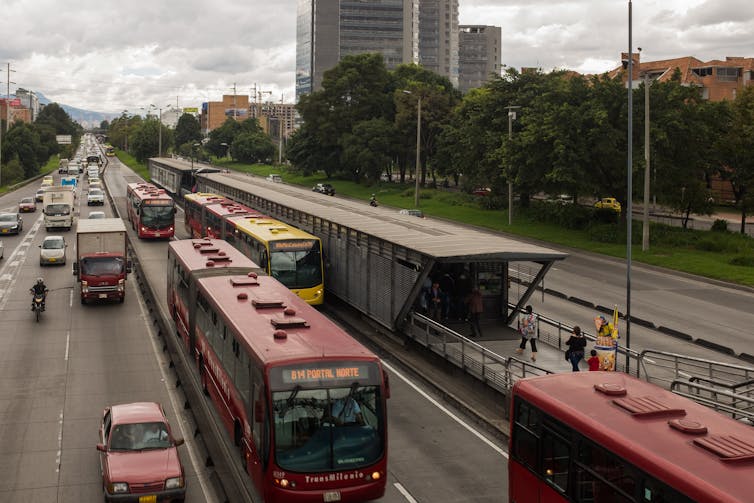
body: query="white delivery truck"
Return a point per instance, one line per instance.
(57, 206)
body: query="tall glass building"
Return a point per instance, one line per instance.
(438, 37)
(327, 30)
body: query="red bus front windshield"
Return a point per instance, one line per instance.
(319, 427)
(157, 217)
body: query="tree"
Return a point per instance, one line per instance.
(359, 88)
(22, 142)
(104, 125)
(145, 140)
(224, 134)
(368, 150)
(736, 142)
(252, 147)
(188, 129)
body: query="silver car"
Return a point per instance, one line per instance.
(52, 250)
(11, 223)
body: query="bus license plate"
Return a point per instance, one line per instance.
(152, 498)
(331, 496)
(104, 296)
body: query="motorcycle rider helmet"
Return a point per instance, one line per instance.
(40, 281)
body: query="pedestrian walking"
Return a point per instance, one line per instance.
(435, 299)
(593, 361)
(476, 307)
(576, 344)
(527, 326)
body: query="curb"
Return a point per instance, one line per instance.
(675, 333)
(715, 346)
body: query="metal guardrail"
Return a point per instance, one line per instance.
(725, 387)
(732, 404)
(498, 372)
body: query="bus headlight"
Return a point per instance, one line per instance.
(374, 476)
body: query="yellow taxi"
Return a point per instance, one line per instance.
(609, 203)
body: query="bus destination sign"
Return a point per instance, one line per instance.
(157, 202)
(320, 373)
(298, 245)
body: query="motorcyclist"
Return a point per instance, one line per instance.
(373, 200)
(39, 289)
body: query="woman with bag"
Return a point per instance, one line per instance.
(576, 344)
(527, 327)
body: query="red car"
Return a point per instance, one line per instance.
(139, 455)
(27, 205)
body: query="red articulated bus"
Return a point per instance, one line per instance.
(304, 402)
(607, 437)
(151, 211)
(189, 259)
(206, 215)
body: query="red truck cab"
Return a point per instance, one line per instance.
(102, 264)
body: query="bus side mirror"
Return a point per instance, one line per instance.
(76, 269)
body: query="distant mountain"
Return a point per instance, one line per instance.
(86, 118)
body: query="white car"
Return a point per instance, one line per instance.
(52, 250)
(97, 214)
(95, 196)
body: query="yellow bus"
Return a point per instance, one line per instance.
(290, 255)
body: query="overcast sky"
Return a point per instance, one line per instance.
(110, 56)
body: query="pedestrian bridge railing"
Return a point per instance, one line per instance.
(729, 403)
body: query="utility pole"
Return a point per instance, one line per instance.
(511, 118)
(7, 120)
(234, 101)
(645, 219)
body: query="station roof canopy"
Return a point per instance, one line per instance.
(444, 240)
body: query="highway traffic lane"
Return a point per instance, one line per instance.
(691, 305)
(433, 456)
(98, 372)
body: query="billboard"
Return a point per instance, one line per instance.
(191, 110)
(63, 139)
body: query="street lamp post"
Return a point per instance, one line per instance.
(629, 186)
(645, 212)
(418, 145)
(511, 118)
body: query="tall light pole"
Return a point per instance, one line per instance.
(645, 213)
(511, 118)
(418, 145)
(629, 188)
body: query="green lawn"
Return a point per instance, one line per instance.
(141, 169)
(702, 253)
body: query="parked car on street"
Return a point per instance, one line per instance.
(274, 178)
(52, 250)
(27, 205)
(139, 455)
(608, 203)
(324, 188)
(11, 223)
(482, 191)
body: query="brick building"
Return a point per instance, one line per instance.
(12, 110)
(215, 113)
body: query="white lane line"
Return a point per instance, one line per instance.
(67, 343)
(70, 300)
(191, 447)
(446, 410)
(60, 443)
(404, 492)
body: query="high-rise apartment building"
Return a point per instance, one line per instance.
(438, 37)
(29, 100)
(327, 30)
(479, 55)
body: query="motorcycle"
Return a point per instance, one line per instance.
(373, 202)
(37, 304)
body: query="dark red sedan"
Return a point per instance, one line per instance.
(27, 205)
(139, 455)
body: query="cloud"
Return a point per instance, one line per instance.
(111, 55)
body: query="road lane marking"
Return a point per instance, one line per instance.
(404, 492)
(60, 443)
(67, 343)
(70, 300)
(446, 410)
(200, 474)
